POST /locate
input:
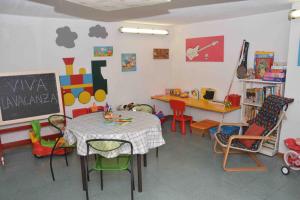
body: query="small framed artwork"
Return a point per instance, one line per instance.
(160, 53)
(128, 61)
(103, 51)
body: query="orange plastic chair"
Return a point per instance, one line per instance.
(80, 111)
(178, 108)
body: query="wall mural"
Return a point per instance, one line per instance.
(98, 31)
(83, 85)
(103, 51)
(205, 49)
(65, 37)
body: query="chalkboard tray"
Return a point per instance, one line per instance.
(28, 96)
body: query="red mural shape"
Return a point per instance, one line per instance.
(205, 49)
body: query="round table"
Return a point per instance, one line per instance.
(144, 132)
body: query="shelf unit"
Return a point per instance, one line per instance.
(251, 104)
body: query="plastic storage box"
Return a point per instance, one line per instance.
(228, 130)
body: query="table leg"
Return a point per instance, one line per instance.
(84, 176)
(139, 170)
(1, 154)
(145, 160)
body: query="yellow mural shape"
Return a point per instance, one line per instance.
(100, 95)
(84, 97)
(82, 70)
(69, 99)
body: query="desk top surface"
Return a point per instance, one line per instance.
(200, 104)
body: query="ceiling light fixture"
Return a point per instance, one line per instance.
(144, 31)
(294, 14)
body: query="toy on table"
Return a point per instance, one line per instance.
(195, 94)
(42, 147)
(291, 157)
(184, 94)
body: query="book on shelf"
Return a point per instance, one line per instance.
(263, 62)
(269, 145)
(250, 113)
(258, 95)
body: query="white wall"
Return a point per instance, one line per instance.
(291, 127)
(28, 43)
(265, 32)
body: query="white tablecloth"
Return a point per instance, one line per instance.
(144, 132)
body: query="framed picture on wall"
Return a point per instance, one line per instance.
(160, 53)
(128, 61)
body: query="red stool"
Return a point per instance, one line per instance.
(80, 111)
(178, 108)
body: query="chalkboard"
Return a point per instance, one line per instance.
(24, 97)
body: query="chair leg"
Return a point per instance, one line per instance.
(145, 160)
(259, 165)
(101, 179)
(87, 168)
(216, 148)
(156, 152)
(173, 126)
(66, 157)
(183, 128)
(51, 158)
(191, 121)
(132, 179)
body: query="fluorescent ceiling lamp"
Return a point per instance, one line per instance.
(144, 31)
(293, 14)
(113, 5)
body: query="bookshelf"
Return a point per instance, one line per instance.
(254, 93)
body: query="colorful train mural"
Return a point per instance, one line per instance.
(83, 86)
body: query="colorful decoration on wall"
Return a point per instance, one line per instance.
(160, 53)
(103, 51)
(128, 61)
(205, 49)
(83, 85)
(98, 31)
(65, 37)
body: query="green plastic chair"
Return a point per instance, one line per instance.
(119, 163)
(148, 109)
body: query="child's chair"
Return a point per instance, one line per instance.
(178, 108)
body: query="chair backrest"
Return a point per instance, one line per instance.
(36, 127)
(269, 113)
(58, 122)
(80, 111)
(178, 107)
(106, 145)
(143, 108)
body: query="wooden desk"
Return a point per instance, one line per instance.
(200, 104)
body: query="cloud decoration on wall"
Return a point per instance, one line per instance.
(98, 31)
(65, 37)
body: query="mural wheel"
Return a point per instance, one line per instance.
(69, 99)
(100, 95)
(84, 97)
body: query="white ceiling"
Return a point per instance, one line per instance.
(175, 12)
(112, 5)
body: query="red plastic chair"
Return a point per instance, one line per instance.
(80, 111)
(178, 108)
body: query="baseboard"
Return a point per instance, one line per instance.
(25, 142)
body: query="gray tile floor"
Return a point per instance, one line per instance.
(187, 169)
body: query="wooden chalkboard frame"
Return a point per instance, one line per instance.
(40, 117)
